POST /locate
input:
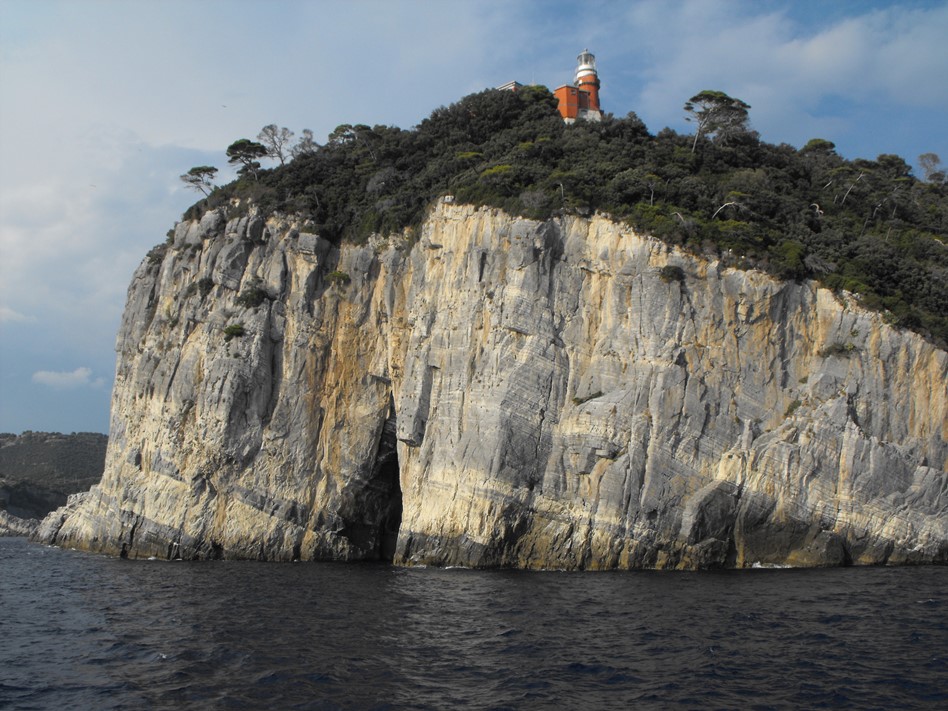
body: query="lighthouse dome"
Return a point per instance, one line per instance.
(585, 64)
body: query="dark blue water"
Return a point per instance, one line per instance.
(87, 632)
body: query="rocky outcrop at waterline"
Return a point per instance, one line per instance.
(506, 392)
(11, 525)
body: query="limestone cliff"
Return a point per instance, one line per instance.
(503, 392)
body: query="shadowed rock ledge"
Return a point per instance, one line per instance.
(504, 392)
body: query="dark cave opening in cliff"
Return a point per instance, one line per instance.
(388, 491)
(391, 510)
(373, 515)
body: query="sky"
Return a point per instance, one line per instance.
(105, 103)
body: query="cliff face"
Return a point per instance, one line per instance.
(508, 392)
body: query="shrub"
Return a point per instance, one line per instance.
(787, 262)
(252, 296)
(338, 277)
(234, 330)
(670, 273)
(157, 253)
(842, 350)
(205, 285)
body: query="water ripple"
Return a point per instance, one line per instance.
(82, 631)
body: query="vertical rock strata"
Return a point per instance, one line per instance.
(505, 392)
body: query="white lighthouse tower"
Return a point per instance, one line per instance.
(587, 79)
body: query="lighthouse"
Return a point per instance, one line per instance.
(581, 99)
(587, 79)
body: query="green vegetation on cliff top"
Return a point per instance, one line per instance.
(866, 226)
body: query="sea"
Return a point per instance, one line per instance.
(81, 631)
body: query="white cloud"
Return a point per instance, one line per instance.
(109, 103)
(804, 71)
(80, 377)
(8, 315)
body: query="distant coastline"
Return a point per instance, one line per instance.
(40, 470)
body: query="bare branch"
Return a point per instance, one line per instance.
(276, 141)
(727, 204)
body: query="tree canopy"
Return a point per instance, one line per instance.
(866, 226)
(246, 152)
(932, 168)
(200, 178)
(277, 142)
(305, 145)
(716, 113)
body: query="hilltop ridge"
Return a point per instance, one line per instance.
(863, 226)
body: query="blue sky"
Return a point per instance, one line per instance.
(104, 103)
